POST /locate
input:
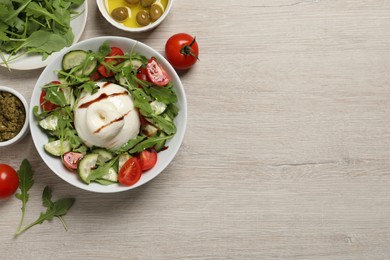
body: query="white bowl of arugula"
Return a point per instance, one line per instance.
(80, 79)
(33, 32)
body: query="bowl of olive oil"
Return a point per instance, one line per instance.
(135, 15)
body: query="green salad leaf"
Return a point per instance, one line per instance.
(53, 208)
(26, 181)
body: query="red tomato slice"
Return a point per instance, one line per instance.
(71, 160)
(157, 75)
(115, 51)
(46, 105)
(104, 72)
(148, 159)
(9, 181)
(142, 74)
(130, 173)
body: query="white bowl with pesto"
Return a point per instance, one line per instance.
(103, 8)
(24, 108)
(165, 157)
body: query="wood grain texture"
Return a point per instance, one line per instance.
(286, 154)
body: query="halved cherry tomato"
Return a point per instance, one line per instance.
(46, 105)
(142, 74)
(104, 72)
(71, 160)
(130, 172)
(115, 51)
(9, 181)
(148, 159)
(156, 74)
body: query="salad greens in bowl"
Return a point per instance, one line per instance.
(32, 32)
(108, 114)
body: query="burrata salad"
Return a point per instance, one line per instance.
(108, 115)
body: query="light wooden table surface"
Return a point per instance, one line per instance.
(286, 153)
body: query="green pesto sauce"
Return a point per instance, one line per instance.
(12, 116)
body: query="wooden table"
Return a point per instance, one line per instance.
(286, 153)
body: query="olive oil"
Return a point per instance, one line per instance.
(133, 10)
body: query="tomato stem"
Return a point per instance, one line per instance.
(187, 50)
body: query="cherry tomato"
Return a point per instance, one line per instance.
(9, 181)
(148, 159)
(182, 51)
(115, 51)
(71, 160)
(142, 74)
(156, 74)
(130, 172)
(46, 105)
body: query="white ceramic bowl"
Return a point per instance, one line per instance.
(22, 133)
(103, 10)
(164, 158)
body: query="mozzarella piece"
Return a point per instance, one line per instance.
(108, 118)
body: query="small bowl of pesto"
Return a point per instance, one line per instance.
(13, 119)
(135, 16)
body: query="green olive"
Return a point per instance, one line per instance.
(132, 2)
(156, 12)
(143, 18)
(120, 14)
(147, 3)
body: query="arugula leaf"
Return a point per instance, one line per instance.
(164, 123)
(56, 96)
(151, 141)
(48, 203)
(130, 144)
(58, 208)
(54, 209)
(165, 95)
(35, 10)
(25, 174)
(101, 170)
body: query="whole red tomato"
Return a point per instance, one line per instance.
(9, 181)
(182, 51)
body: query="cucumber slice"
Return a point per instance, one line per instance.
(112, 175)
(69, 97)
(103, 155)
(88, 67)
(158, 107)
(104, 182)
(86, 165)
(49, 123)
(136, 63)
(122, 159)
(149, 130)
(73, 59)
(159, 146)
(57, 147)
